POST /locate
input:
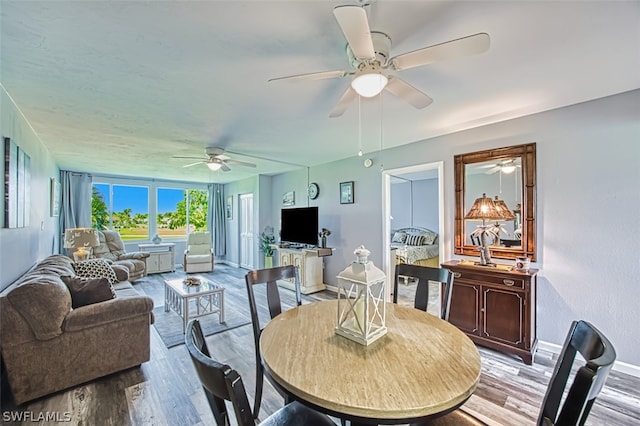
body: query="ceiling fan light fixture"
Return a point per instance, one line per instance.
(508, 169)
(369, 84)
(214, 165)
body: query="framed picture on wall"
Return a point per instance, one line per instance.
(346, 192)
(289, 198)
(55, 197)
(229, 207)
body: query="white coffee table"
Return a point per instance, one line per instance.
(208, 298)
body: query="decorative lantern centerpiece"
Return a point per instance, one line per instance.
(361, 305)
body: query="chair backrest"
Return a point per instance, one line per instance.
(219, 381)
(599, 355)
(269, 277)
(424, 274)
(111, 245)
(199, 243)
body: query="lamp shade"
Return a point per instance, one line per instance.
(80, 242)
(484, 209)
(81, 237)
(503, 209)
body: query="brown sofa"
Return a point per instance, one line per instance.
(112, 248)
(47, 346)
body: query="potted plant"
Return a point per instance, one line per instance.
(267, 239)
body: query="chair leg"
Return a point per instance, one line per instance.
(259, 384)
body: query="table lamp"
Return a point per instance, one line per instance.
(80, 242)
(484, 209)
(361, 307)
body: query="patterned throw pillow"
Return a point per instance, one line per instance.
(414, 240)
(430, 237)
(399, 237)
(88, 291)
(95, 268)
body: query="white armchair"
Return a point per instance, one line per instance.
(198, 257)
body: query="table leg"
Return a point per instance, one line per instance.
(166, 297)
(221, 303)
(185, 313)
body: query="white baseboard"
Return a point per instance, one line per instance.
(332, 288)
(623, 367)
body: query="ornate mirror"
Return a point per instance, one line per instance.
(508, 176)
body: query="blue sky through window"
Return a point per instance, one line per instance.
(136, 198)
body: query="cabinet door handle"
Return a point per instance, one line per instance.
(508, 282)
(457, 275)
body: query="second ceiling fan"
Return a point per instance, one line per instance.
(368, 54)
(215, 160)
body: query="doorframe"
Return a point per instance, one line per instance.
(386, 212)
(242, 212)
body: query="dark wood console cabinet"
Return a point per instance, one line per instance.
(495, 307)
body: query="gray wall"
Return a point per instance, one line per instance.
(40, 238)
(588, 203)
(415, 203)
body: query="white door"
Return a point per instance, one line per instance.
(247, 243)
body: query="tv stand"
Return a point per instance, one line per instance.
(310, 265)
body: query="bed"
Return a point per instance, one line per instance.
(416, 246)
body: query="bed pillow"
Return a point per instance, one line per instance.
(95, 268)
(429, 237)
(414, 240)
(399, 237)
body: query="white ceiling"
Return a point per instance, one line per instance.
(119, 87)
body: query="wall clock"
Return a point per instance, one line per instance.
(314, 190)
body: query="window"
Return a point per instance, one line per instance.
(123, 208)
(140, 208)
(181, 211)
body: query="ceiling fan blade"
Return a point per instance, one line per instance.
(347, 97)
(493, 170)
(224, 167)
(469, 45)
(240, 163)
(355, 27)
(189, 158)
(404, 90)
(323, 75)
(193, 164)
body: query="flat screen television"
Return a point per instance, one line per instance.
(299, 225)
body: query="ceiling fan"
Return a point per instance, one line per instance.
(368, 54)
(506, 166)
(216, 160)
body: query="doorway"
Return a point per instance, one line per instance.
(247, 244)
(410, 174)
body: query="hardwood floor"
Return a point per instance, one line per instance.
(166, 391)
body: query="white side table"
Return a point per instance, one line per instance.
(161, 257)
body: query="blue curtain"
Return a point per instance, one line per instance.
(216, 221)
(75, 201)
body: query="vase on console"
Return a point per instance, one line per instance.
(156, 239)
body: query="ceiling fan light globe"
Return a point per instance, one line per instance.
(370, 84)
(214, 166)
(508, 169)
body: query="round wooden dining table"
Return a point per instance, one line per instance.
(423, 367)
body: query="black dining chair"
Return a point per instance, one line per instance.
(599, 355)
(268, 278)
(222, 383)
(424, 274)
